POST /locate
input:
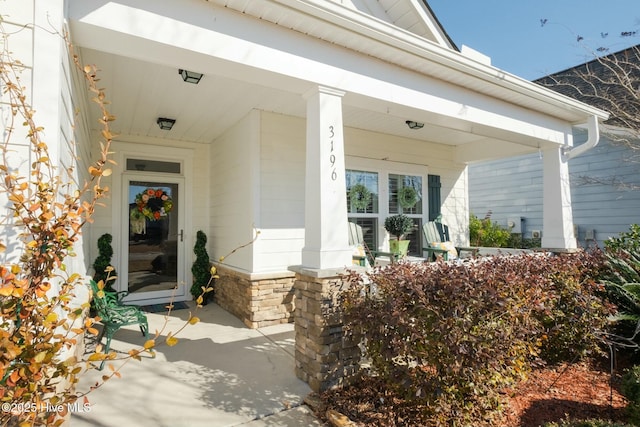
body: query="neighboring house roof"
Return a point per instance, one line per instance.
(609, 82)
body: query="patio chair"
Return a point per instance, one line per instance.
(114, 314)
(436, 235)
(363, 256)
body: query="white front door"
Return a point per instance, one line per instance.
(153, 238)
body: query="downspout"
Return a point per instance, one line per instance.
(593, 138)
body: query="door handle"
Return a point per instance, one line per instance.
(181, 235)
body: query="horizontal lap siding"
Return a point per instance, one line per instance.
(513, 187)
(282, 177)
(436, 159)
(232, 191)
(508, 188)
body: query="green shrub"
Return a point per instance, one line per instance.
(201, 269)
(629, 240)
(631, 390)
(622, 282)
(451, 336)
(484, 232)
(103, 262)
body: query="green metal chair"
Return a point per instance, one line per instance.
(114, 314)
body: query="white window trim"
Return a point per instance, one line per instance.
(384, 168)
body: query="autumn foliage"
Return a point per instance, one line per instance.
(450, 337)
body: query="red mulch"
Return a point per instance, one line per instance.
(577, 391)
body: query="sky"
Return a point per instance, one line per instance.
(534, 38)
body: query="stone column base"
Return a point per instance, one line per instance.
(257, 299)
(325, 355)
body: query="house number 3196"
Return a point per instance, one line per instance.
(332, 157)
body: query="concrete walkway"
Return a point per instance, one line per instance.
(220, 374)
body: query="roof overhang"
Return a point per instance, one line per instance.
(387, 42)
(389, 74)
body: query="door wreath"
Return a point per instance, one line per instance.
(360, 197)
(407, 197)
(152, 204)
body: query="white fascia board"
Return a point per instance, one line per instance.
(398, 38)
(372, 84)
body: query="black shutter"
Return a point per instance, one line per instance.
(434, 196)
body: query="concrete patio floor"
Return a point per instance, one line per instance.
(220, 374)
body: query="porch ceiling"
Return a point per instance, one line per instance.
(389, 75)
(140, 92)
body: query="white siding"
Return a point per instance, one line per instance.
(436, 159)
(233, 190)
(282, 175)
(514, 188)
(20, 42)
(47, 78)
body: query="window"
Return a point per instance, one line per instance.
(381, 192)
(364, 216)
(396, 184)
(410, 204)
(144, 165)
(357, 179)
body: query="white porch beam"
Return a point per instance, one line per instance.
(557, 221)
(242, 48)
(326, 237)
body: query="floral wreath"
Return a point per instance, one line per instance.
(407, 197)
(360, 196)
(152, 204)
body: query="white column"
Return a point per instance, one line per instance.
(557, 228)
(326, 236)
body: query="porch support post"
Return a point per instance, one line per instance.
(557, 229)
(326, 237)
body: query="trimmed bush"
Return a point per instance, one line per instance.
(103, 261)
(201, 269)
(451, 337)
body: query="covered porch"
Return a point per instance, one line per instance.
(281, 117)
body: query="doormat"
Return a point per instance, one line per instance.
(162, 308)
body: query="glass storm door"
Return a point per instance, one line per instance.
(154, 249)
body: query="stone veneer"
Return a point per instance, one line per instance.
(326, 356)
(256, 299)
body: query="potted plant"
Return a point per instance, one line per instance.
(398, 226)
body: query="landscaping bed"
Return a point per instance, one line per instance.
(578, 391)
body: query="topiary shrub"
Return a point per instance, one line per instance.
(201, 269)
(398, 225)
(450, 337)
(103, 262)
